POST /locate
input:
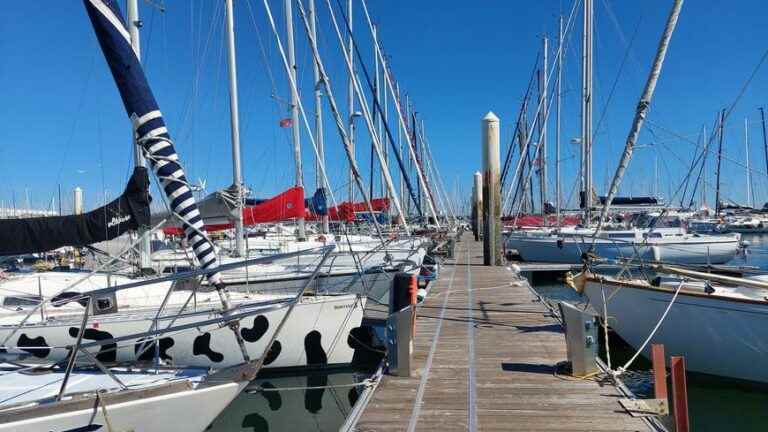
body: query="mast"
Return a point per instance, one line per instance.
(237, 176)
(295, 132)
(750, 198)
(586, 111)
(719, 160)
(557, 120)
(134, 24)
(351, 101)
(704, 167)
(543, 132)
(325, 228)
(641, 111)
(400, 148)
(765, 137)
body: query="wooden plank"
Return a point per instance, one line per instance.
(495, 356)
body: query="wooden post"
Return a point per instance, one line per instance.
(679, 394)
(659, 372)
(477, 206)
(491, 194)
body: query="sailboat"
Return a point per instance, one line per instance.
(571, 244)
(717, 322)
(139, 304)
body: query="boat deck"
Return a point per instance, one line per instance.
(485, 358)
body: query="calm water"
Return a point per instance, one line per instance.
(283, 403)
(715, 404)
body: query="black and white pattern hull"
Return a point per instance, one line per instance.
(315, 335)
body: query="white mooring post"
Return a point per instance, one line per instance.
(78, 201)
(477, 206)
(491, 193)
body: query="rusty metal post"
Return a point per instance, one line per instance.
(680, 394)
(659, 372)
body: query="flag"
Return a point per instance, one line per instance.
(286, 123)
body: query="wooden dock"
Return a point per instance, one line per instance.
(485, 357)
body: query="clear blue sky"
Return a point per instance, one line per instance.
(63, 122)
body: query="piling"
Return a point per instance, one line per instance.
(78, 199)
(477, 206)
(492, 255)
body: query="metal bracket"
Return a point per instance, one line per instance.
(645, 407)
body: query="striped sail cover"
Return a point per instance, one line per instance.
(149, 126)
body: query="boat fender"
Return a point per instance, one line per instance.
(559, 243)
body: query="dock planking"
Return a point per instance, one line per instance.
(484, 358)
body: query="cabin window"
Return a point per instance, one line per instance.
(104, 303)
(17, 301)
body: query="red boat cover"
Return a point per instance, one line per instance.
(287, 205)
(346, 210)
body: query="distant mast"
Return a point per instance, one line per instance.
(318, 114)
(719, 161)
(138, 158)
(750, 198)
(295, 132)
(586, 111)
(351, 102)
(237, 176)
(558, 193)
(543, 131)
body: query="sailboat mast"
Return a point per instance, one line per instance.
(237, 176)
(295, 132)
(325, 228)
(704, 167)
(719, 161)
(543, 131)
(586, 111)
(557, 120)
(750, 199)
(134, 24)
(351, 100)
(765, 137)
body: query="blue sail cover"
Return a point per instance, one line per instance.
(149, 126)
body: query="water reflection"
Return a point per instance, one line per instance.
(317, 401)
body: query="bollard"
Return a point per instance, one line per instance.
(679, 393)
(477, 206)
(491, 192)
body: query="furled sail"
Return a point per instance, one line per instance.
(149, 126)
(39, 234)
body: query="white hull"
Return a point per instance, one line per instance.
(570, 249)
(315, 335)
(155, 403)
(717, 336)
(159, 414)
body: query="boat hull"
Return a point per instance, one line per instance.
(717, 336)
(569, 250)
(314, 336)
(161, 413)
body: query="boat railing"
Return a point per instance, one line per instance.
(230, 318)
